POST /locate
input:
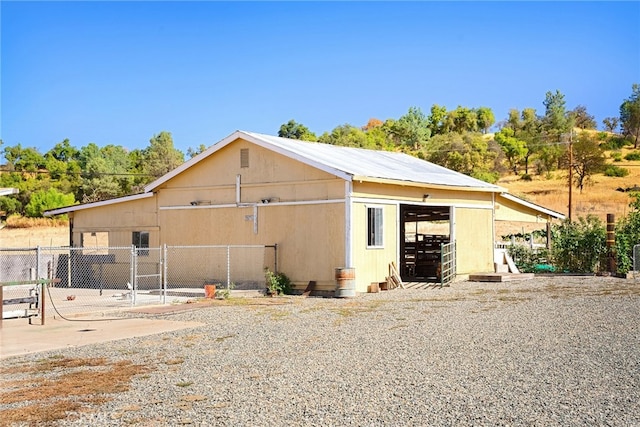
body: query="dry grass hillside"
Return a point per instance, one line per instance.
(599, 197)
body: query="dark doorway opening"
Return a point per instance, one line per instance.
(423, 230)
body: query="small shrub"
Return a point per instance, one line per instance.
(615, 143)
(526, 177)
(616, 156)
(278, 283)
(632, 156)
(615, 171)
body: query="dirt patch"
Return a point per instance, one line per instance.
(54, 387)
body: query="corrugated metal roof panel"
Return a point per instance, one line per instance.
(374, 164)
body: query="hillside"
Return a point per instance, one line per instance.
(599, 197)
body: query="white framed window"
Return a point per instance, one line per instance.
(375, 227)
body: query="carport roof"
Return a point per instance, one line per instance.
(349, 163)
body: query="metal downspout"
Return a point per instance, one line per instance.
(348, 219)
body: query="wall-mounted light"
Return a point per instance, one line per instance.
(200, 202)
(425, 197)
(269, 200)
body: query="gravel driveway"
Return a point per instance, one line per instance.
(556, 351)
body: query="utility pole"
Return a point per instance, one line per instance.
(570, 171)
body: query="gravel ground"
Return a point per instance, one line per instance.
(549, 351)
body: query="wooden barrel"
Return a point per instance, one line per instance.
(345, 283)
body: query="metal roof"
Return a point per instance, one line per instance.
(347, 162)
(364, 163)
(73, 208)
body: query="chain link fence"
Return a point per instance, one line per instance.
(94, 279)
(636, 261)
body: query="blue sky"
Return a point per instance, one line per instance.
(120, 72)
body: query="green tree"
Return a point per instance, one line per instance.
(24, 159)
(630, 115)
(526, 127)
(548, 157)
(62, 163)
(555, 122)
(345, 135)
(192, 152)
(106, 172)
(378, 139)
(467, 153)
(514, 149)
(582, 119)
(436, 119)
(42, 201)
(412, 128)
(485, 118)
(465, 120)
(588, 158)
(611, 123)
(161, 157)
(294, 130)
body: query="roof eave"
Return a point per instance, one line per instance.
(491, 189)
(542, 209)
(68, 209)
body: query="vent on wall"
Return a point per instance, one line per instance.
(244, 157)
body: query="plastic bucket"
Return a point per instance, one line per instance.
(345, 283)
(210, 291)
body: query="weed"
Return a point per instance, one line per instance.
(184, 383)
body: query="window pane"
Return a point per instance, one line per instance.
(374, 227)
(141, 240)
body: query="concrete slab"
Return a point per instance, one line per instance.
(17, 337)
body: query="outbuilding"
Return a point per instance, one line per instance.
(326, 207)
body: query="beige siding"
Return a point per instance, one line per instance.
(507, 210)
(310, 238)
(269, 176)
(372, 264)
(474, 240)
(119, 220)
(414, 194)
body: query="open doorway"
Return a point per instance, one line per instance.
(423, 229)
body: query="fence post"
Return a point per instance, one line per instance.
(164, 273)
(228, 266)
(133, 275)
(42, 287)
